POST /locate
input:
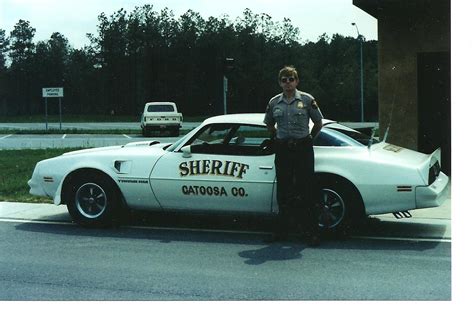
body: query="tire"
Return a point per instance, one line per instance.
(172, 131)
(94, 201)
(339, 205)
(176, 132)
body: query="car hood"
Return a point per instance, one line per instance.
(132, 145)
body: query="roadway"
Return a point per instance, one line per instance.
(162, 257)
(10, 140)
(82, 126)
(34, 141)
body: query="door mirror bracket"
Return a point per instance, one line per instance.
(186, 151)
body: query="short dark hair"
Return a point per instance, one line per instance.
(288, 71)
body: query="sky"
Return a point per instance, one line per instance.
(75, 18)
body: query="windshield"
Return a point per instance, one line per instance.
(176, 144)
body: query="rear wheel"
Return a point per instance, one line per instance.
(339, 205)
(94, 201)
(176, 131)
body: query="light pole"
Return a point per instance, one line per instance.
(360, 38)
(228, 66)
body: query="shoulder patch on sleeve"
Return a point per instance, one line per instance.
(314, 104)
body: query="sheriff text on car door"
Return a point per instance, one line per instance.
(214, 182)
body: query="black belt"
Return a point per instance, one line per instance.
(293, 142)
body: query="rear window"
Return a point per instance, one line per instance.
(160, 108)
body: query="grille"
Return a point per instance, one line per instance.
(434, 172)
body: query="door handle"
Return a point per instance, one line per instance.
(266, 167)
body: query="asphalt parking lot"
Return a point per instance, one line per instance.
(81, 126)
(10, 140)
(34, 141)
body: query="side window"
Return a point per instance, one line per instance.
(325, 139)
(213, 134)
(232, 139)
(250, 135)
(250, 141)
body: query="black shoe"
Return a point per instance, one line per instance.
(314, 241)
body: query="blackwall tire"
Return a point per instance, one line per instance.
(339, 207)
(94, 201)
(176, 132)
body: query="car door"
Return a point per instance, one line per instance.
(222, 168)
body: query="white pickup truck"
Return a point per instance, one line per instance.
(161, 116)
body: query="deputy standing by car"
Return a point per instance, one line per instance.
(294, 157)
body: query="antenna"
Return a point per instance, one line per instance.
(389, 120)
(371, 140)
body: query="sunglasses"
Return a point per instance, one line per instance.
(285, 79)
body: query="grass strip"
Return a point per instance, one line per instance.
(17, 167)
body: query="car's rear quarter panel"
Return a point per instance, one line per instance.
(377, 180)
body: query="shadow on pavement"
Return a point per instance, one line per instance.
(404, 228)
(245, 230)
(273, 252)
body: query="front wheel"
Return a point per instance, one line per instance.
(94, 201)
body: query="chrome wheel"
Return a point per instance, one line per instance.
(91, 200)
(332, 209)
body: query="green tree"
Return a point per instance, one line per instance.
(3, 49)
(21, 51)
(149, 55)
(3, 72)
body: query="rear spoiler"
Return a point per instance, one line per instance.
(435, 156)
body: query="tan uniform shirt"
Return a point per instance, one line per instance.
(292, 117)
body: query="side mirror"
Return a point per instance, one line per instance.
(186, 151)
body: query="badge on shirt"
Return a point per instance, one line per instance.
(314, 104)
(300, 105)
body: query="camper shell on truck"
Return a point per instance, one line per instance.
(161, 116)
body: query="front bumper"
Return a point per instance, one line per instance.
(433, 195)
(36, 183)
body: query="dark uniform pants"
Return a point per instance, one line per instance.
(296, 188)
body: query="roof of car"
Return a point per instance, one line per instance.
(244, 118)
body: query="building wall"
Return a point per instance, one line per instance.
(406, 29)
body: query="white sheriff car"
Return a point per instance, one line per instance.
(227, 165)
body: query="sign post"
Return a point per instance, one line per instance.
(53, 93)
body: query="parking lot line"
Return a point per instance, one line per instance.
(126, 136)
(64, 136)
(6, 136)
(33, 221)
